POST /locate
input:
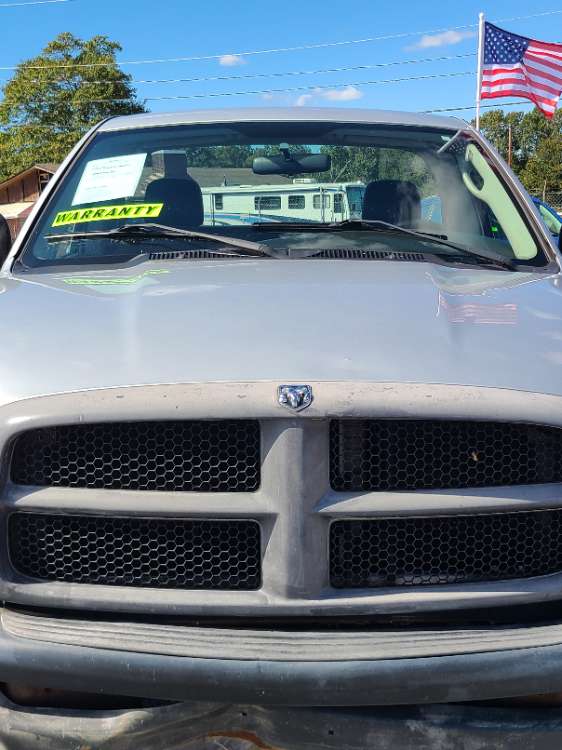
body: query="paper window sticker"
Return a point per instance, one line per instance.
(106, 179)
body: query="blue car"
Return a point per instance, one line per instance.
(551, 218)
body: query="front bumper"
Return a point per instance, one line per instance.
(186, 726)
(180, 663)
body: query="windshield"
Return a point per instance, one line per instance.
(280, 184)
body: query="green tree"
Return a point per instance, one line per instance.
(495, 125)
(536, 144)
(534, 128)
(233, 155)
(54, 98)
(367, 163)
(543, 171)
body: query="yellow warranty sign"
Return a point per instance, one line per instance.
(108, 213)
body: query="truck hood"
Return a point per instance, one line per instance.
(284, 321)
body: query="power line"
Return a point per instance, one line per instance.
(438, 110)
(483, 106)
(319, 71)
(298, 48)
(33, 2)
(292, 89)
(285, 73)
(322, 45)
(295, 89)
(425, 112)
(319, 88)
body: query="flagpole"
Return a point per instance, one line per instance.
(480, 65)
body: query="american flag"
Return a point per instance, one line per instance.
(478, 313)
(516, 66)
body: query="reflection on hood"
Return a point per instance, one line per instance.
(301, 321)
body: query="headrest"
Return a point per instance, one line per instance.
(182, 199)
(393, 201)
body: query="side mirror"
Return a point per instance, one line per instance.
(5, 239)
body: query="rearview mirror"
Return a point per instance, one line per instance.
(5, 239)
(289, 164)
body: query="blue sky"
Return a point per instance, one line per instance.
(186, 28)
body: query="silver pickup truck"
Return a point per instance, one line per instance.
(281, 440)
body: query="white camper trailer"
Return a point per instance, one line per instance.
(303, 199)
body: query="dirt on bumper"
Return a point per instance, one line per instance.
(188, 726)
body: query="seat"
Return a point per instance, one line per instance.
(182, 199)
(393, 201)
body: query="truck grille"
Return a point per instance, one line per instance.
(419, 454)
(179, 554)
(445, 549)
(203, 456)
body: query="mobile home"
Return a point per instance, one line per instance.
(303, 199)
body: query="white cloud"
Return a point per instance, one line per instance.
(230, 61)
(444, 39)
(348, 94)
(267, 97)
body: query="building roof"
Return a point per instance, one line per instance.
(272, 114)
(50, 168)
(14, 210)
(213, 176)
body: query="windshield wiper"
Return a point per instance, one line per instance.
(135, 232)
(383, 226)
(487, 255)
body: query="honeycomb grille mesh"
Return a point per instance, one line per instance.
(415, 455)
(203, 456)
(178, 554)
(444, 549)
